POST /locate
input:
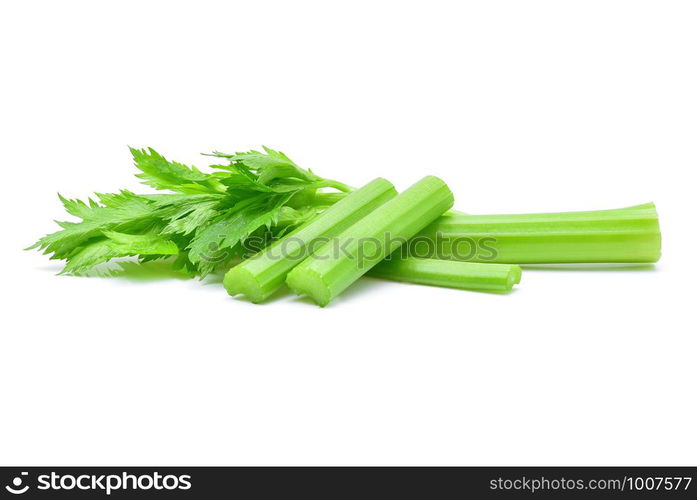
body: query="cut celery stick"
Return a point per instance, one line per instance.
(498, 278)
(337, 264)
(622, 235)
(262, 274)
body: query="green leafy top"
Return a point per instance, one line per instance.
(205, 219)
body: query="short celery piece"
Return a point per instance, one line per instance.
(497, 278)
(340, 262)
(262, 274)
(629, 234)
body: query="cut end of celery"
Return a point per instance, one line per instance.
(514, 276)
(240, 281)
(310, 283)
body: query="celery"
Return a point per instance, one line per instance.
(262, 274)
(629, 234)
(337, 264)
(449, 273)
(206, 220)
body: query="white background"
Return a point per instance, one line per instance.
(519, 106)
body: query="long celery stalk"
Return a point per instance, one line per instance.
(629, 234)
(450, 273)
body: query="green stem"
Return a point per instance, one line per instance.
(261, 275)
(629, 234)
(339, 186)
(340, 262)
(498, 278)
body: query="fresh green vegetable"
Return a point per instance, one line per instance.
(262, 274)
(207, 220)
(340, 262)
(622, 235)
(450, 273)
(210, 218)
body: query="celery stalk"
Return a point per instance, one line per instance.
(337, 264)
(629, 234)
(451, 274)
(262, 274)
